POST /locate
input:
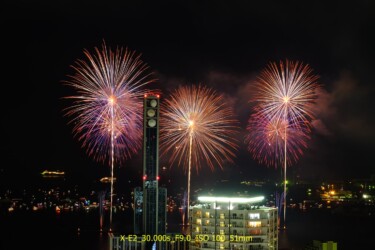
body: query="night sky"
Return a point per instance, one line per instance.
(221, 44)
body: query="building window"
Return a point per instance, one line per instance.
(222, 231)
(222, 246)
(207, 222)
(207, 214)
(254, 223)
(222, 216)
(222, 224)
(255, 231)
(199, 221)
(253, 216)
(197, 230)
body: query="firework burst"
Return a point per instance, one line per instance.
(286, 91)
(107, 110)
(198, 114)
(266, 138)
(108, 102)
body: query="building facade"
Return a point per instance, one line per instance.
(233, 223)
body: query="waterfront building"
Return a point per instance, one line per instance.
(235, 223)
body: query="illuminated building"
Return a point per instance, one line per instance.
(233, 223)
(150, 201)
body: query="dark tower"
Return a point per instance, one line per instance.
(152, 216)
(150, 164)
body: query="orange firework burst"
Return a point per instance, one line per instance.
(201, 115)
(286, 91)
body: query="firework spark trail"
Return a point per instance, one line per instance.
(107, 110)
(285, 93)
(197, 126)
